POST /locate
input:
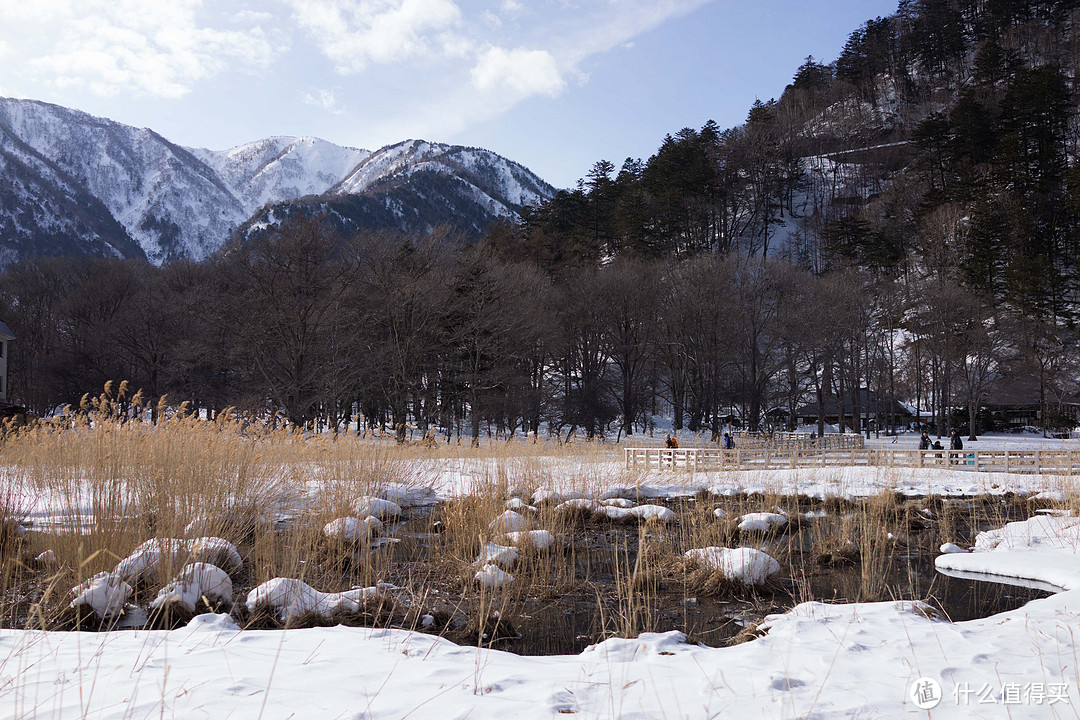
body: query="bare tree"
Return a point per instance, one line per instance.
(289, 286)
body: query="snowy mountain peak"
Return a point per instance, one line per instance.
(74, 183)
(514, 186)
(281, 168)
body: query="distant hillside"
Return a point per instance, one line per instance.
(942, 141)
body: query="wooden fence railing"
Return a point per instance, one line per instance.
(1051, 462)
(784, 440)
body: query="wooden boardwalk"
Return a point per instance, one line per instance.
(1050, 462)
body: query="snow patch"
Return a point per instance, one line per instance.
(196, 582)
(492, 576)
(105, 594)
(746, 565)
(353, 530)
(289, 599)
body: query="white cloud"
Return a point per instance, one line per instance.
(322, 98)
(443, 65)
(455, 46)
(616, 22)
(248, 17)
(354, 35)
(520, 72)
(550, 49)
(110, 46)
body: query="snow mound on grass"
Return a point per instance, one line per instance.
(547, 495)
(745, 565)
(618, 502)
(517, 503)
(540, 539)
(195, 582)
(288, 599)
(952, 548)
(353, 530)
(492, 576)
(719, 513)
(216, 551)
(105, 594)
(762, 522)
(500, 555)
(509, 521)
(575, 504)
(143, 563)
(377, 507)
(657, 513)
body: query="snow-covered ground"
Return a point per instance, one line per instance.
(600, 477)
(817, 660)
(603, 476)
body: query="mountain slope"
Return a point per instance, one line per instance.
(45, 212)
(86, 185)
(168, 201)
(415, 186)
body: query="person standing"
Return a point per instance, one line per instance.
(924, 441)
(955, 443)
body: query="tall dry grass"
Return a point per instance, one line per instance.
(97, 484)
(97, 487)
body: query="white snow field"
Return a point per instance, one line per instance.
(823, 661)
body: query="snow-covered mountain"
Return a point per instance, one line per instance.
(71, 183)
(415, 186)
(281, 168)
(512, 184)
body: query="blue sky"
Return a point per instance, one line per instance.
(553, 84)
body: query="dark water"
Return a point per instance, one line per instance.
(569, 625)
(580, 596)
(592, 609)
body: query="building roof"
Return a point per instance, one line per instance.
(5, 332)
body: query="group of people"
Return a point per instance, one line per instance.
(955, 443)
(729, 442)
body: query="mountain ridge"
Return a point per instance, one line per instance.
(108, 189)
